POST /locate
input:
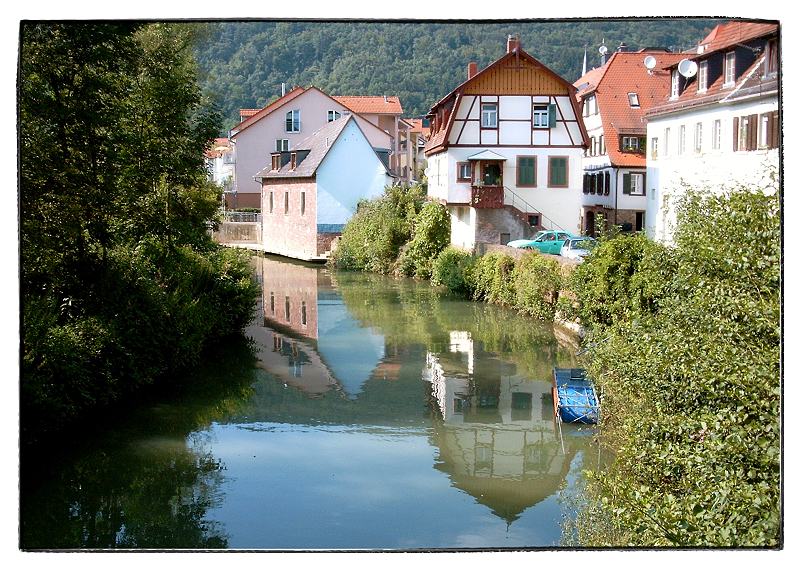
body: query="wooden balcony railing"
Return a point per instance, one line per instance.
(488, 197)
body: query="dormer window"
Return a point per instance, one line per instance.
(771, 59)
(293, 121)
(293, 161)
(333, 115)
(633, 99)
(276, 162)
(633, 144)
(489, 115)
(702, 77)
(590, 106)
(675, 85)
(730, 69)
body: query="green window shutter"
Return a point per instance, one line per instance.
(626, 183)
(558, 172)
(526, 176)
(551, 115)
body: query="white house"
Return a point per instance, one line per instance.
(311, 191)
(282, 124)
(504, 152)
(719, 125)
(615, 98)
(219, 163)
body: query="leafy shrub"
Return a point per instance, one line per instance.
(372, 238)
(431, 234)
(493, 279)
(537, 281)
(453, 269)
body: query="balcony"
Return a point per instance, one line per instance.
(487, 197)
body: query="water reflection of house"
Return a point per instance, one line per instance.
(497, 439)
(307, 326)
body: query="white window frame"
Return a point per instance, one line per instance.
(633, 100)
(281, 145)
(666, 141)
(698, 138)
(716, 135)
(489, 115)
(763, 122)
(294, 117)
(730, 69)
(333, 115)
(541, 116)
(654, 148)
(602, 145)
(630, 143)
(682, 140)
(702, 77)
(637, 184)
(674, 85)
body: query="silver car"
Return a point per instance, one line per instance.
(577, 247)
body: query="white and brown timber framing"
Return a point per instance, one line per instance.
(516, 74)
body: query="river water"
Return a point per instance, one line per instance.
(363, 412)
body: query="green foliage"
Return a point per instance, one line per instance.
(431, 234)
(691, 382)
(453, 269)
(537, 280)
(493, 279)
(244, 63)
(372, 238)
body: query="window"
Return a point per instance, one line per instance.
(771, 59)
(333, 115)
(287, 312)
(590, 106)
(730, 68)
(293, 121)
(302, 203)
(602, 145)
(464, 171)
(600, 184)
(593, 184)
(716, 135)
(271, 202)
(682, 140)
(746, 131)
(533, 220)
(666, 142)
(272, 302)
(608, 182)
(526, 171)
(633, 184)
(592, 146)
(633, 144)
(702, 77)
(293, 161)
(557, 172)
(492, 174)
(303, 319)
(675, 86)
(586, 182)
(505, 238)
(541, 116)
(633, 99)
(639, 221)
(282, 145)
(698, 137)
(489, 115)
(286, 202)
(276, 162)
(654, 148)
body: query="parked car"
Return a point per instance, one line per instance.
(544, 241)
(577, 247)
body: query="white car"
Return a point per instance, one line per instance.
(577, 247)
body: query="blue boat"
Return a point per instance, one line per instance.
(574, 396)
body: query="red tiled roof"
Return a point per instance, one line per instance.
(416, 126)
(625, 73)
(730, 33)
(219, 147)
(367, 105)
(297, 91)
(244, 113)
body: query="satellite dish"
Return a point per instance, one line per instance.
(603, 50)
(687, 68)
(650, 62)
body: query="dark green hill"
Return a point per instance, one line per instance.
(244, 63)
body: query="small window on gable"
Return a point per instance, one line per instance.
(293, 121)
(633, 99)
(702, 77)
(282, 145)
(489, 115)
(541, 116)
(675, 85)
(730, 68)
(464, 172)
(333, 115)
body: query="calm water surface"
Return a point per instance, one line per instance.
(364, 412)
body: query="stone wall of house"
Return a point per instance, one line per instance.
(492, 223)
(290, 231)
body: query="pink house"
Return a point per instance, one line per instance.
(282, 124)
(309, 192)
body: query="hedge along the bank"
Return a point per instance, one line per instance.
(454, 268)
(493, 279)
(537, 282)
(431, 234)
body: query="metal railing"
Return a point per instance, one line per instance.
(242, 217)
(526, 208)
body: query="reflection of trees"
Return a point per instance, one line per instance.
(147, 483)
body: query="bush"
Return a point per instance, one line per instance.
(537, 281)
(431, 234)
(372, 238)
(493, 279)
(453, 269)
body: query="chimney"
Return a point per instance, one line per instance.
(513, 43)
(472, 69)
(622, 47)
(283, 89)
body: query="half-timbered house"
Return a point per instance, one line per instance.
(504, 152)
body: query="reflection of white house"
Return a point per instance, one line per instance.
(504, 152)
(718, 126)
(497, 439)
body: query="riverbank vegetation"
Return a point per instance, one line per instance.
(120, 281)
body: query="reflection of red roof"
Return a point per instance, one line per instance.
(730, 33)
(365, 105)
(625, 73)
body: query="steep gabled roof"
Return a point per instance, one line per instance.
(728, 34)
(367, 105)
(624, 73)
(317, 145)
(274, 105)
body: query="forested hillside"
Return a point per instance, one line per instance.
(244, 63)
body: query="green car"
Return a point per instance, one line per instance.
(545, 241)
